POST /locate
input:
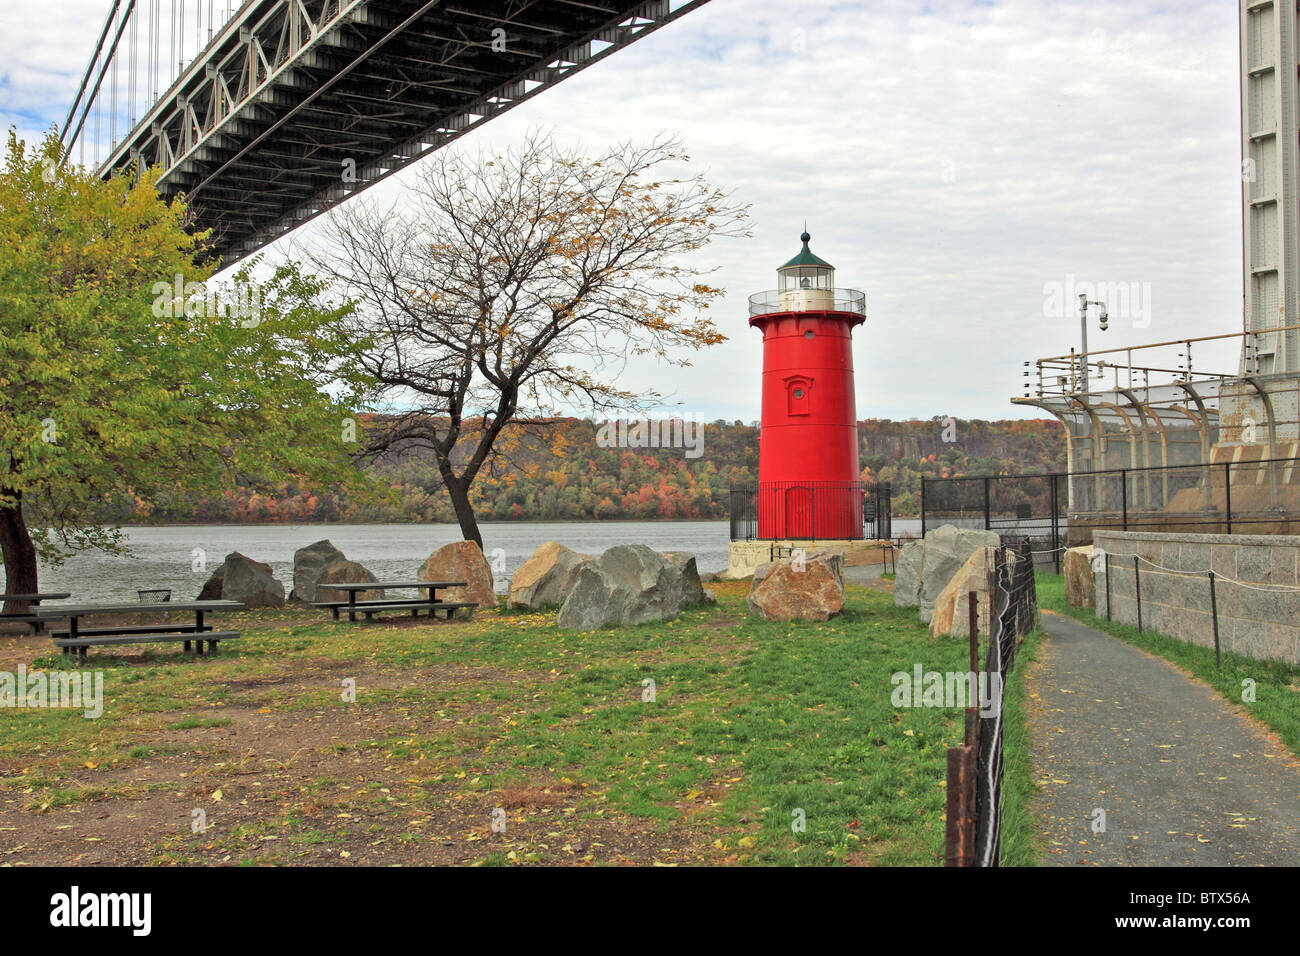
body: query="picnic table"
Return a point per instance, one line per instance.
(29, 616)
(77, 638)
(376, 605)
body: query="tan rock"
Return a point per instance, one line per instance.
(461, 561)
(547, 577)
(786, 593)
(1080, 591)
(951, 617)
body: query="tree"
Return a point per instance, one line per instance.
(510, 287)
(125, 376)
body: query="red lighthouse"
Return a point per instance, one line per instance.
(809, 486)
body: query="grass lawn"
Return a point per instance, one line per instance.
(1277, 685)
(254, 757)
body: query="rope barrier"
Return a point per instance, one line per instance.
(1271, 589)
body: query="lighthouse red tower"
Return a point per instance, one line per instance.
(808, 482)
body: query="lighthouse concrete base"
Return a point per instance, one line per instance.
(745, 556)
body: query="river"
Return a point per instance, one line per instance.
(181, 557)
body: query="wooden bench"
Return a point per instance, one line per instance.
(375, 606)
(80, 644)
(77, 639)
(133, 629)
(371, 608)
(29, 617)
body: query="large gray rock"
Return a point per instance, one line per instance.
(213, 589)
(309, 564)
(907, 574)
(630, 584)
(693, 590)
(925, 567)
(547, 577)
(251, 582)
(346, 572)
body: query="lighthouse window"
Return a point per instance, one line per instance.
(797, 395)
(808, 334)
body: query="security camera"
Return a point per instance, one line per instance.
(1105, 320)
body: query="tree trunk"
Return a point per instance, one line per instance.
(459, 492)
(19, 553)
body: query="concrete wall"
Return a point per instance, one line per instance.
(746, 556)
(1254, 623)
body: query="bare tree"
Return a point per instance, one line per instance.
(510, 287)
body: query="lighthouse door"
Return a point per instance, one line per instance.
(799, 512)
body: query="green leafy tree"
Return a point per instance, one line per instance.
(126, 377)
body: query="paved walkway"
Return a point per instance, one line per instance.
(1184, 780)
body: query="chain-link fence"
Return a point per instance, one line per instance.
(1055, 511)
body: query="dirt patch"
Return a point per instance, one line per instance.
(250, 779)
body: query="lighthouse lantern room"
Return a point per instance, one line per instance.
(809, 486)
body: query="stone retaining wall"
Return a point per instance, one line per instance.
(1255, 623)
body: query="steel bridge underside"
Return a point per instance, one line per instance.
(295, 105)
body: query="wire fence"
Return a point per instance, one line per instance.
(975, 769)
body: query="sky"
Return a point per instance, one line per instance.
(969, 164)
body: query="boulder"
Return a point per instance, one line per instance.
(345, 572)
(951, 615)
(547, 577)
(309, 564)
(925, 567)
(211, 590)
(907, 574)
(630, 584)
(689, 582)
(461, 561)
(249, 581)
(785, 593)
(1080, 590)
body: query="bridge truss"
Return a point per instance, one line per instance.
(287, 107)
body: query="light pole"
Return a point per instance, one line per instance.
(1084, 302)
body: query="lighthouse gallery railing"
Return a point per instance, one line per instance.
(840, 300)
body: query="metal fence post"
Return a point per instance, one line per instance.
(923, 506)
(1056, 525)
(1123, 492)
(1214, 613)
(1108, 617)
(1137, 589)
(1227, 492)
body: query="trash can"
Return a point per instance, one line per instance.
(154, 596)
